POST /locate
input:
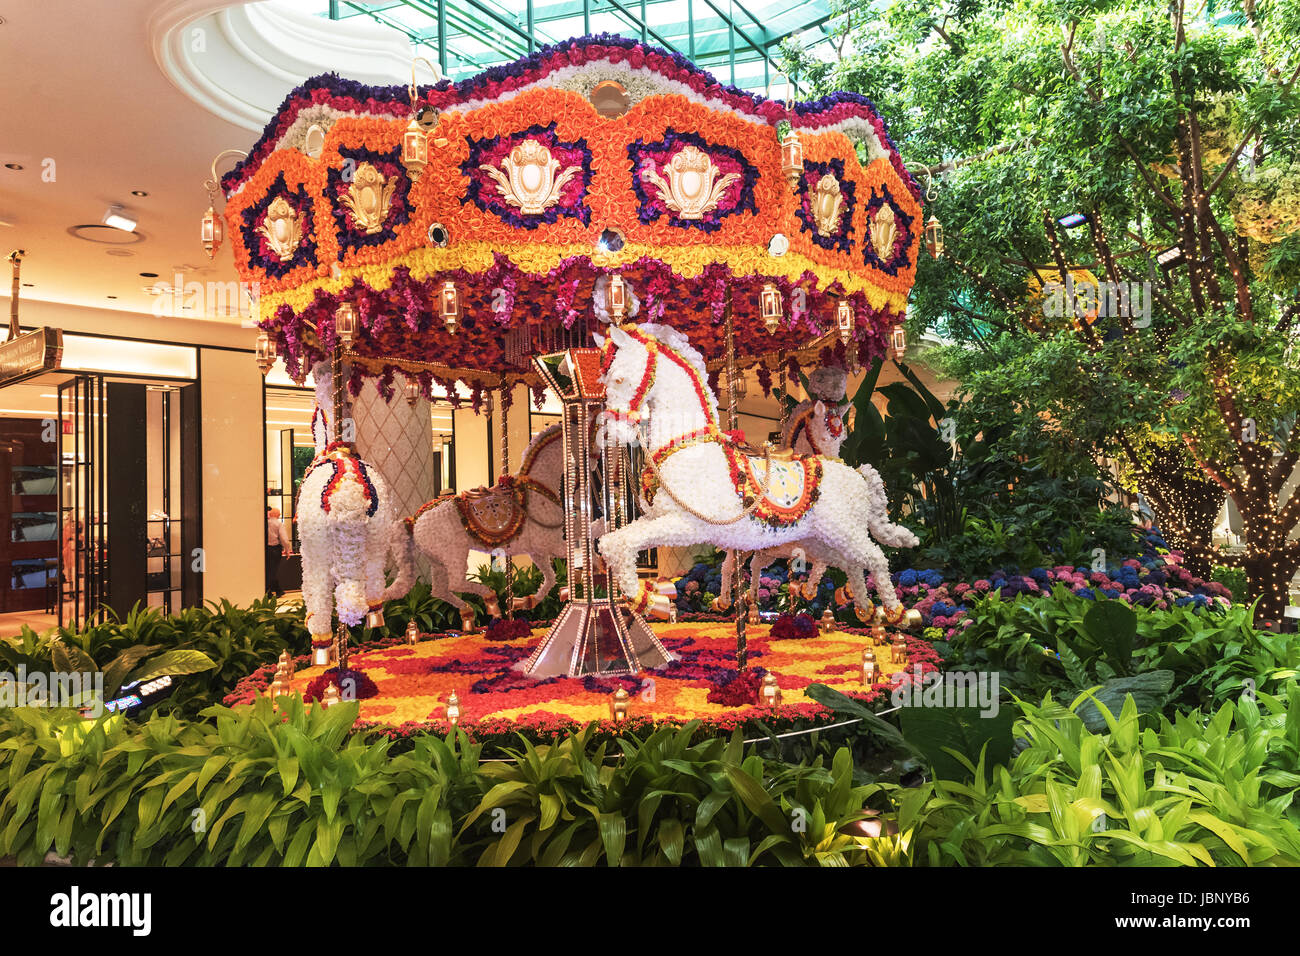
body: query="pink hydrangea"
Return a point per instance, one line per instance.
(982, 585)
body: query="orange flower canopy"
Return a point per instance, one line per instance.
(476, 224)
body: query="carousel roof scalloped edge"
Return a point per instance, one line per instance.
(510, 77)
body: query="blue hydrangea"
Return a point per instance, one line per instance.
(1085, 593)
(907, 578)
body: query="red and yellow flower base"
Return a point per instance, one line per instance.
(414, 683)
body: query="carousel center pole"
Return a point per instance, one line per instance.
(509, 611)
(739, 606)
(341, 635)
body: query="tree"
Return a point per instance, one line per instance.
(1141, 146)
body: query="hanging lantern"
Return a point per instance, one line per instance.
(844, 320)
(265, 352)
(618, 706)
(934, 237)
(213, 232)
(792, 158)
(345, 323)
(449, 306)
(617, 298)
(412, 390)
(737, 384)
(898, 342)
(415, 149)
(770, 303)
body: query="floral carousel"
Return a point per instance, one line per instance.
(605, 222)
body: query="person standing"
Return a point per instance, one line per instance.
(278, 544)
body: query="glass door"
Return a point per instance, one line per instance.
(83, 530)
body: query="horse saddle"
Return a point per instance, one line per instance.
(787, 487)
(493, 516)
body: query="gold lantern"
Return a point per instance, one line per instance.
(828, 620)
(770, 303)
(412, 633)
(844, 320)
(617, 298)
(453, 709)
(879, 636)
(898, 342)
(265, 352)
(934, 237)
(736, 383)
(752, 617)
(899, 651)
(331, 696)
(345, 323)
(618, 706)
(449, 306)
(214, 230)
(870, 669)
(415, 149)
(792, 158)
(770, 694)
(412, 390)
(375, 618)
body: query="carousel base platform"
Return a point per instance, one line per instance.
(414, 682)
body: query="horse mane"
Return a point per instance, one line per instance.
(679, 343)
(534, 446)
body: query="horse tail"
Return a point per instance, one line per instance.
(402, 547)
(882, 529)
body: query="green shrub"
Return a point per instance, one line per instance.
(1192, 791)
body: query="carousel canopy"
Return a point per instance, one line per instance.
(475, 224)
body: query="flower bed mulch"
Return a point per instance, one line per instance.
(414, 682)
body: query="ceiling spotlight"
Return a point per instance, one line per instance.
(117, 219)
(139, 192)
(14, 166)
(1073, 220)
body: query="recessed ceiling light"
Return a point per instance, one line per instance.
(118, 219)
(14, 166)
(29, 285)
(112, 297)
(148, 275)
(105, 235)
(123, 253)
(139, 192)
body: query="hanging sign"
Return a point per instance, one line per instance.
(38, 351)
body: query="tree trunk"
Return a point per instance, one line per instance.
(1269, 579)
(1186, 504)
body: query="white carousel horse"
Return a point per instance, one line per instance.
(703, 489)
(345, 523)
(521, 514)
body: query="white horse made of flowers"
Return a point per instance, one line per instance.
(521, 514)
(701, 488)
(345, 524)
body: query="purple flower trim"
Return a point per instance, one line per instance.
(842, 239)
(259, 251)
(659, 153)
(899, 259)
(399, 213)
(494, 204)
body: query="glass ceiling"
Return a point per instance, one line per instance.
(738, 42)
